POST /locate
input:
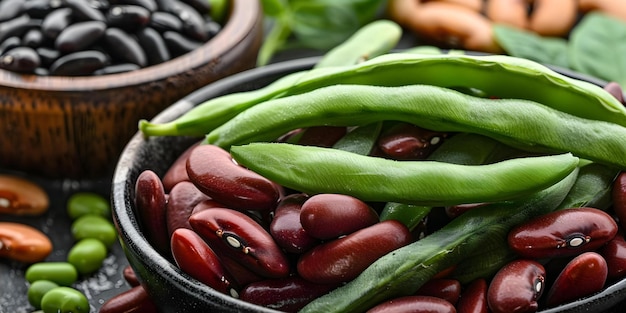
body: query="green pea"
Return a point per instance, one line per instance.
(62, 273)
(94, 226)
(83, 203)
(37, 290)
(64, 300)
(87, 255)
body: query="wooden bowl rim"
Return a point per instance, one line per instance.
(242, 19)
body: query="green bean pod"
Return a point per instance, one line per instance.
(496, 75)
(403, 271)
(513, 121)
(410, 215)
(315, 170)
(486, 261)
(592, 188)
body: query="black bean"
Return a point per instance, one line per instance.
(10, 43)
(117, 68)
(40, 8)
(154, 45)
(83, 10)
(56, 21)
(193, 22)
(48, 55)
(179, 44)
(121, 45)
(202, 6)
(16, 27)
(79, 36)
(20, 59)
(33, 38)
(128, 17)
(164, 21)
(80, 63)
(166, 5)
(212, 27)
(10, 9)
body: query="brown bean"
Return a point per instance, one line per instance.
(609, 7)
(618, 196)
(543, 21)
(286, 294)
(414, 304)
(582, 276)
(516, 287)
(135, 299)
(23, 243)
(150, 203)
(237, 235)
(181, 201)
(409, 142)
(326, 216)
(343, 259)
(286, 228)
(194, 257)
(446, 289)
(129, 275)
(474, 298)
(563, 233)
(213, 171)
(614, 252)
(241, 274)
(322, 136)
(20, 196)
(615, 90)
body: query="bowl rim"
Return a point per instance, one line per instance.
(241, 20)
(128, 226)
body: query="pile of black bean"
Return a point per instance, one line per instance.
(97, 37)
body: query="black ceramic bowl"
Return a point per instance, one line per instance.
(175, 291)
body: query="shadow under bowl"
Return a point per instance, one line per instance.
(76, 127)
(174, 290)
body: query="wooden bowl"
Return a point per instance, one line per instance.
(76, 127)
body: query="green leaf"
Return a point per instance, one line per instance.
(321, 25)
(274, 7)
(525, 44)
(598, 46)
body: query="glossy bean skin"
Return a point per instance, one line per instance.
(181, 201)
(196, 258)
(321, 136)
(474, 298)
(326, 216)
(64, 300)
(618, 195)
(135, 299)
(150, 203)
(409, 142)
(124, 47)
(87, 255)
(23, 243)
(79, 36)
(177, 172)
(212, 170)
(414, 304)
(562, 233)
(516, 287)
(129, 276)
(87, 203)
(79, 63)
(154, 45)
(55, 22)
(443, 288)
(614, 252)
(62, 273)
(128, 17)
(20, 196)
(285, 294)
(20, 59)
(582, 276)
(343, 259)
(286, 228)
(236, 235)
(96, 227)
(37, 290)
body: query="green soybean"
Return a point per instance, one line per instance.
(64, 300)
(96, 227)
(87, 255)
(83, 203)
(37, 290)
(62, 273)
(515, 122)
(316, 170)
(404, 270)
(496, 75)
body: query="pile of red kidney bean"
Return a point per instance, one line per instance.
(97, 37)
(247, 237)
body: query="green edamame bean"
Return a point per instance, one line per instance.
(62, 273)
(96, 227)
(64, 300)
(37, 290)
(83, 203)
(87, 255)
(314, 170)
(408, 268)
(512, 121)
(498, 76)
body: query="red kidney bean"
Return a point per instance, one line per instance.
(235, 234)
(327, 216)
(618, 195)
(135, 299)
(129, 275)
(343, 259)
(409, 142)
(615, 90)
(562, 233)
(241, 274)
(150, 203)
(213, 171)
(286, 228)
(205, 205)
(181, 201)
(194, 257)
(285, 294)
(447, 289)
(474, 298)
(414, 304)
(583, 276)
(456, 210)
(516, 287)
(177, 172)
(322, 136)
(614, 252)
